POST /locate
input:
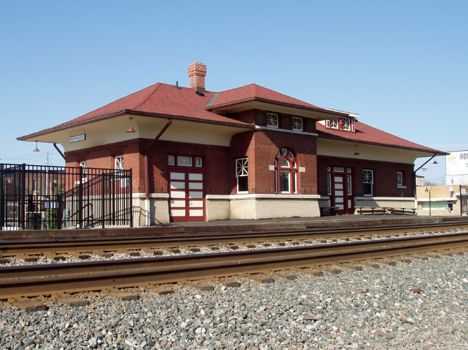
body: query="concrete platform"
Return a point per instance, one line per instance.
(231, 226)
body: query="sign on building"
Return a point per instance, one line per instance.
(457, 168)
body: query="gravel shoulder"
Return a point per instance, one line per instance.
(417, 305)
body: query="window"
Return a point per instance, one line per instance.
(272, 120)
(285, 171)
(84, 171)
(329, 184)
(346, 124)
(349, 184)
(297, 124)
(400, 179)
(119, 170)
(198, 162)
(368, 182)
(119, 164)
(184, 161)
(242, 175)
(170, 160)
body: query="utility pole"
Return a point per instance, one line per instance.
(461, 200)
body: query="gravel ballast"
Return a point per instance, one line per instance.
(417, 304)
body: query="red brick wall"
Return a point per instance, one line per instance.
(261, 148)
(385, 178)
(215, 162)
(103, 157)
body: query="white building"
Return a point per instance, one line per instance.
(457, 168)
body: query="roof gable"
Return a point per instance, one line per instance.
(253, 92)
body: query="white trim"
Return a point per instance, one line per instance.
(261, 196)
(385, 198)
(438, 199)
(259, 127)
(152, 195)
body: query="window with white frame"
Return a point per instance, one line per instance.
(297, 124)
(272, 120)
(285, 171)
(400, 179)
(242, 175)
(119, 170)
(84, 171)
(346, 124)
(119, 163)
(170, 160)
(368, 182)
(334, 123)
(184, 161)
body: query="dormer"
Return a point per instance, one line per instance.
(347, 124)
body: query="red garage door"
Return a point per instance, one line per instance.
(186, 189)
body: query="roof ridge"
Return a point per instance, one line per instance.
(155, 88)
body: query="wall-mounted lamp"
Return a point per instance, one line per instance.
(356, 153)
(36, 149)
(130, 129)
(435, 162)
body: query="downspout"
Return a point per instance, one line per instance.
(147, 171)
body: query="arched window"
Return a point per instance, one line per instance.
(285, 171)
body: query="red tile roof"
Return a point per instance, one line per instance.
(157, 100)
(253, 92)
(368, 134)
(162, 100)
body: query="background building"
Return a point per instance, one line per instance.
(457, 168)
(442, 200)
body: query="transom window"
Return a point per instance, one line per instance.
(368, 182)
(272, 120)
(297, 124)
(184, 161)
(285, 171)
(242, 175)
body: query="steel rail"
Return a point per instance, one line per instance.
(53, 278)
(36, 247)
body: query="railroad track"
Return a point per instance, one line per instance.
(251, 239)
(49, 279)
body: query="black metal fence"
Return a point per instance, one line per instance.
(55, 197)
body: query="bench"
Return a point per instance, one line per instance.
(385, 211)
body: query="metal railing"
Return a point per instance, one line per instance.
(54, 197)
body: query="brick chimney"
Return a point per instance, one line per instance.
(197, 74)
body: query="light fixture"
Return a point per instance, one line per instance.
(36, 149)
(130, 129)
(356, 153)
(435, 162)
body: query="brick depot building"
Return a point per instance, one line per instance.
(245, 153)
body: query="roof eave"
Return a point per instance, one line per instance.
(429, 151)
(30, 137)
(292, 105)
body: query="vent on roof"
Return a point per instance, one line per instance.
(197, 74)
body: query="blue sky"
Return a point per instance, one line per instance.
(402, 65)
